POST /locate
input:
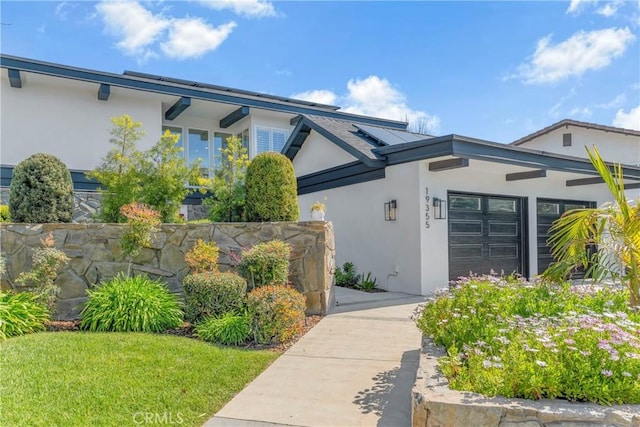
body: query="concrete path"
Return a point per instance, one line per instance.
(356, 367)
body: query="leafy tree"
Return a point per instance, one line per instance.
(41, 190)
(156, 177)
(118, 173)
(614, 227)
(163, 175)
(227, 202)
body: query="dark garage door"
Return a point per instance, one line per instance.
(485, 233)
(548, 210)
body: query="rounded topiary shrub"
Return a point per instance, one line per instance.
(212, 294)
(277, 313)
(266, 263)
(41, 190)
(271, 189)
(131, 304)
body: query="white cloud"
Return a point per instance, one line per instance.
(575, 6)
(609, 9)
(141, 32)
(581, 112)
(248, 8)
(191, 37)
(321, 96)
(630, 120)
(377, 97)
(62, 10)
(614, 103)
(582, 52)
(136, 26)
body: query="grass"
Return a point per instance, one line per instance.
(512, 338)
(107, 379)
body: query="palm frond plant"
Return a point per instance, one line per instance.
(613, 227)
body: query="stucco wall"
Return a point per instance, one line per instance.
(65, 118)
(96, 255)
(318, 153)
(365, 238)
(614, 147)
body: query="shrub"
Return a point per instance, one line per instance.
(203, 257)
(21, 313)
(4, 214)
(229, 329)
(142, 222)
(508, 337)
(271, 189)
(47, 261)
(212, 294)
(131, 304)
(367, 283)
(347, 276)
(41, 191)
(277, 313)
(266, 263)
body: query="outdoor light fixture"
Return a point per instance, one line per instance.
(440, 208)
(390, 209)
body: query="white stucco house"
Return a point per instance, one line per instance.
(414, 210)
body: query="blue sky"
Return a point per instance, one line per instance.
(490, 70)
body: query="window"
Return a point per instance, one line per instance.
(465, 203)
(566, 140)
(502, 205)
(198, 148)
(268, 139)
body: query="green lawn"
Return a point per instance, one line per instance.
(118, 379)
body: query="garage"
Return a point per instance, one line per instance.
(549, 210)
(486, 233)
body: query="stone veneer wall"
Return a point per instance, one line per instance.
(96, 255)
(434, 404)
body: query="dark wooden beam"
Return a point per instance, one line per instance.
(176, 109)
(517, 176)
(443, 165)
(233, 117)
(294, 120)
(103, 92)
(584, 181)
(15, 80)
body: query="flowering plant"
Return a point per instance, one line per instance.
(510, 337)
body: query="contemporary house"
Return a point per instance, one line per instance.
(414, 210)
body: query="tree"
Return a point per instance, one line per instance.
(163, 175)
(613, 227)
(157, 177)
(227, 201)
(118, 175)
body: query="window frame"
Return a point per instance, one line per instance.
(271, 130)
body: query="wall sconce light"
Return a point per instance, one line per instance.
(439, 208)
(390, 210)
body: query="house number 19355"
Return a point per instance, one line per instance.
(427, 207)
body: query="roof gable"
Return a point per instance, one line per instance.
(568, 122)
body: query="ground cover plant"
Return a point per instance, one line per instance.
(108, 379)
(509, 337)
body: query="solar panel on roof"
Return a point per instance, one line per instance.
(390, 136)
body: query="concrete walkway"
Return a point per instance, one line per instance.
(356, 367)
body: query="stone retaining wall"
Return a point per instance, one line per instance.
(96, 255)
(433, 404)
